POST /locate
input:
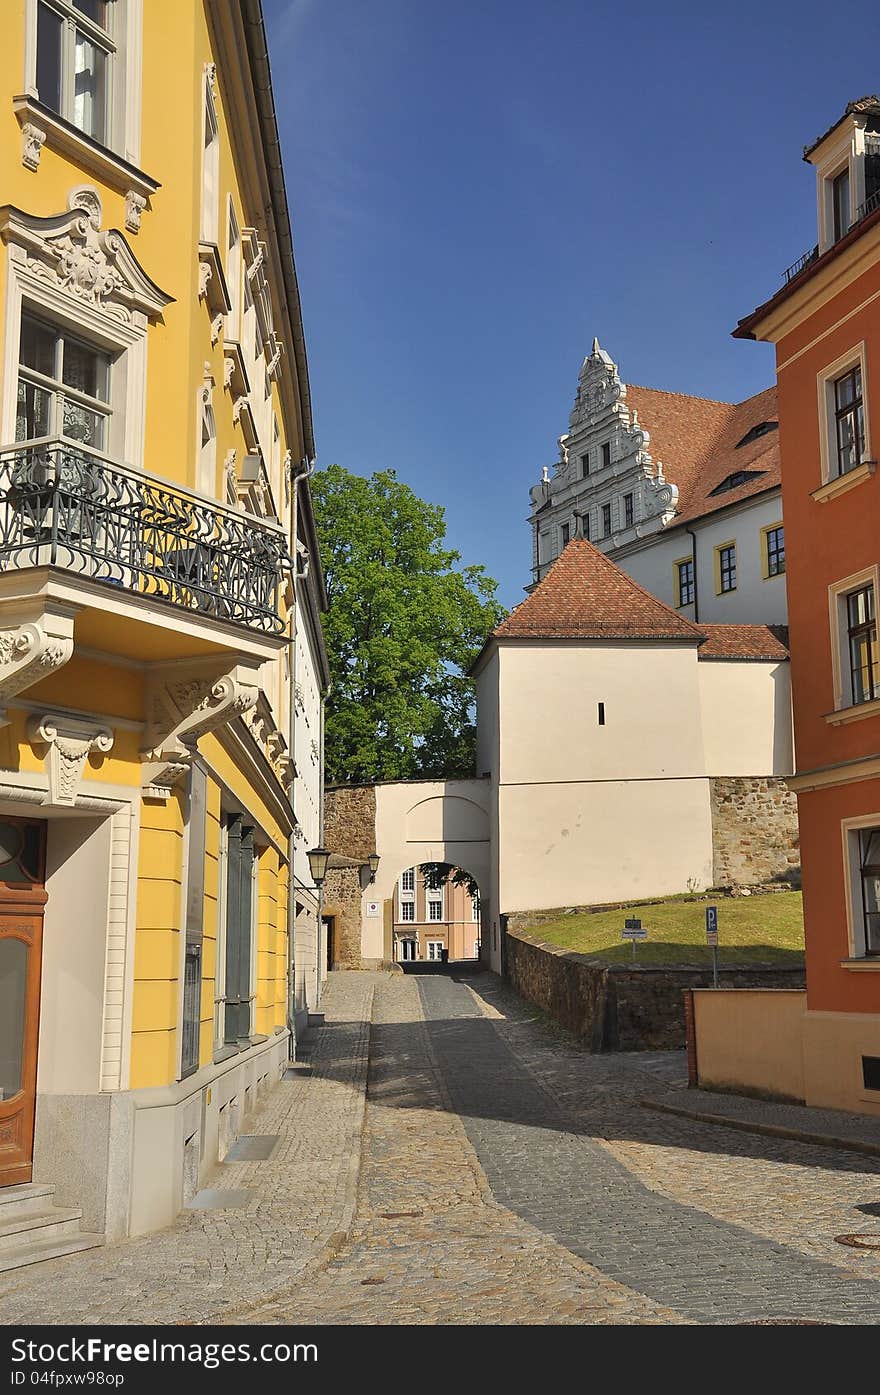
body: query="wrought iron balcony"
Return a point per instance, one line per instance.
(792, 271)
(61, 506)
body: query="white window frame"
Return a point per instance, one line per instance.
(124, 76)
(405, 888)
(844, 154)
(408, 906)
(839, 625)
(125, 342)
(209, 215)
(437, 946)
(233, 271)
(856, 937)
(206, 451)
(825, 382)
(434, 898)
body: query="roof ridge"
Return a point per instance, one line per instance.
(691, 396)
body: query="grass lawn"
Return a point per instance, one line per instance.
(765, 929)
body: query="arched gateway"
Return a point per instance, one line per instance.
(407, 822)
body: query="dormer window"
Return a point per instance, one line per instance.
(754, 432)
(735, 480)
(840, 203)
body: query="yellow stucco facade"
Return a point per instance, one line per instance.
(153, 415)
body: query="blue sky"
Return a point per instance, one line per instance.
(478, 187)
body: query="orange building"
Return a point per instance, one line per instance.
(825, 323)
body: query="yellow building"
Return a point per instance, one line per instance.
(161, 663)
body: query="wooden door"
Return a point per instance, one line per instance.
(22, 899)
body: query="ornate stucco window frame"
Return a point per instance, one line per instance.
(117, 161)
(86, 279)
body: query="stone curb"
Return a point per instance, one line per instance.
(822, 1140)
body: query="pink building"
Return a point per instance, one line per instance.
(427, 921)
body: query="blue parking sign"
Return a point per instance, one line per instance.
(711, 920)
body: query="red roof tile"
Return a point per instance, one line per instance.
(585, 595)
(697, 441)
(755, 642)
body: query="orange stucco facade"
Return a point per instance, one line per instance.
(829, 314)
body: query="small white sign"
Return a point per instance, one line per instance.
(373, 908)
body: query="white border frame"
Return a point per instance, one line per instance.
(837, 594)
(855, 934)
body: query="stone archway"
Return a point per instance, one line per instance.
(407, 822)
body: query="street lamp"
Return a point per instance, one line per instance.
(318, 859)
(373, 864)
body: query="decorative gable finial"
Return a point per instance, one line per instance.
(597, 348)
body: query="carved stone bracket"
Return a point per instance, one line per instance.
(32, 651)
(70, 741)
(158, 779)
(134, 207)
(33, 140)
(185, 700)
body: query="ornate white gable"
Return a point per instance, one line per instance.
(73, 252)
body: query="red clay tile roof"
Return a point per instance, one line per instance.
(767, 642)
(585, 595)
(696, 439)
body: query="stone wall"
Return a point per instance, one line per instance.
(755, 836)
(615, 1007)
(350, 820)
(350, 834)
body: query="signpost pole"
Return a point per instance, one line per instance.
(712, 940)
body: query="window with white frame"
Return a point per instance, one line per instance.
(435, 949)
(861, 625)
(233, 271)
(210, 165)
(76, 57)
(862, 853)
(207, 472)
(407, 910)
(434, 904)
(475, 908)
(408, 879)
(63, 386)
(844, 434)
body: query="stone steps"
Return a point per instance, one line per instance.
(33, 1228)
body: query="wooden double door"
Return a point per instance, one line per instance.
(22, 902)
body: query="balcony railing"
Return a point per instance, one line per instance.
(60, 506)
(791, 271)
(871, 204)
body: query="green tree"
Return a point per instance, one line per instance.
(405, 621)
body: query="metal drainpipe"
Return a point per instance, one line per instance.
(693, 537)
(295, 482)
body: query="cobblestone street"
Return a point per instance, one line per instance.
(452, 1157)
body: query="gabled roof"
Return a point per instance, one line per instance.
(585, 595)
(767, 643)
(862, 106)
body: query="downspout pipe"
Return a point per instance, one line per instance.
(693, 538)
(306, 470)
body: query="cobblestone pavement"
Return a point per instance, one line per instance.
(493, 1172)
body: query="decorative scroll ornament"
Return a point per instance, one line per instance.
(95, 265)
(32, 651)
(260, 722)
(205, 274)
(70, 741)
(184, 701)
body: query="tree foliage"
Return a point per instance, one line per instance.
(437, 874)
(405, 621)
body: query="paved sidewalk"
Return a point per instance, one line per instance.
(831, 1128)
(209, 1262)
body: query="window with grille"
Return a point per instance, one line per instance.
(435, 949)
(435, 908)
(862, 642)
(407, 910)
(408, 879)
